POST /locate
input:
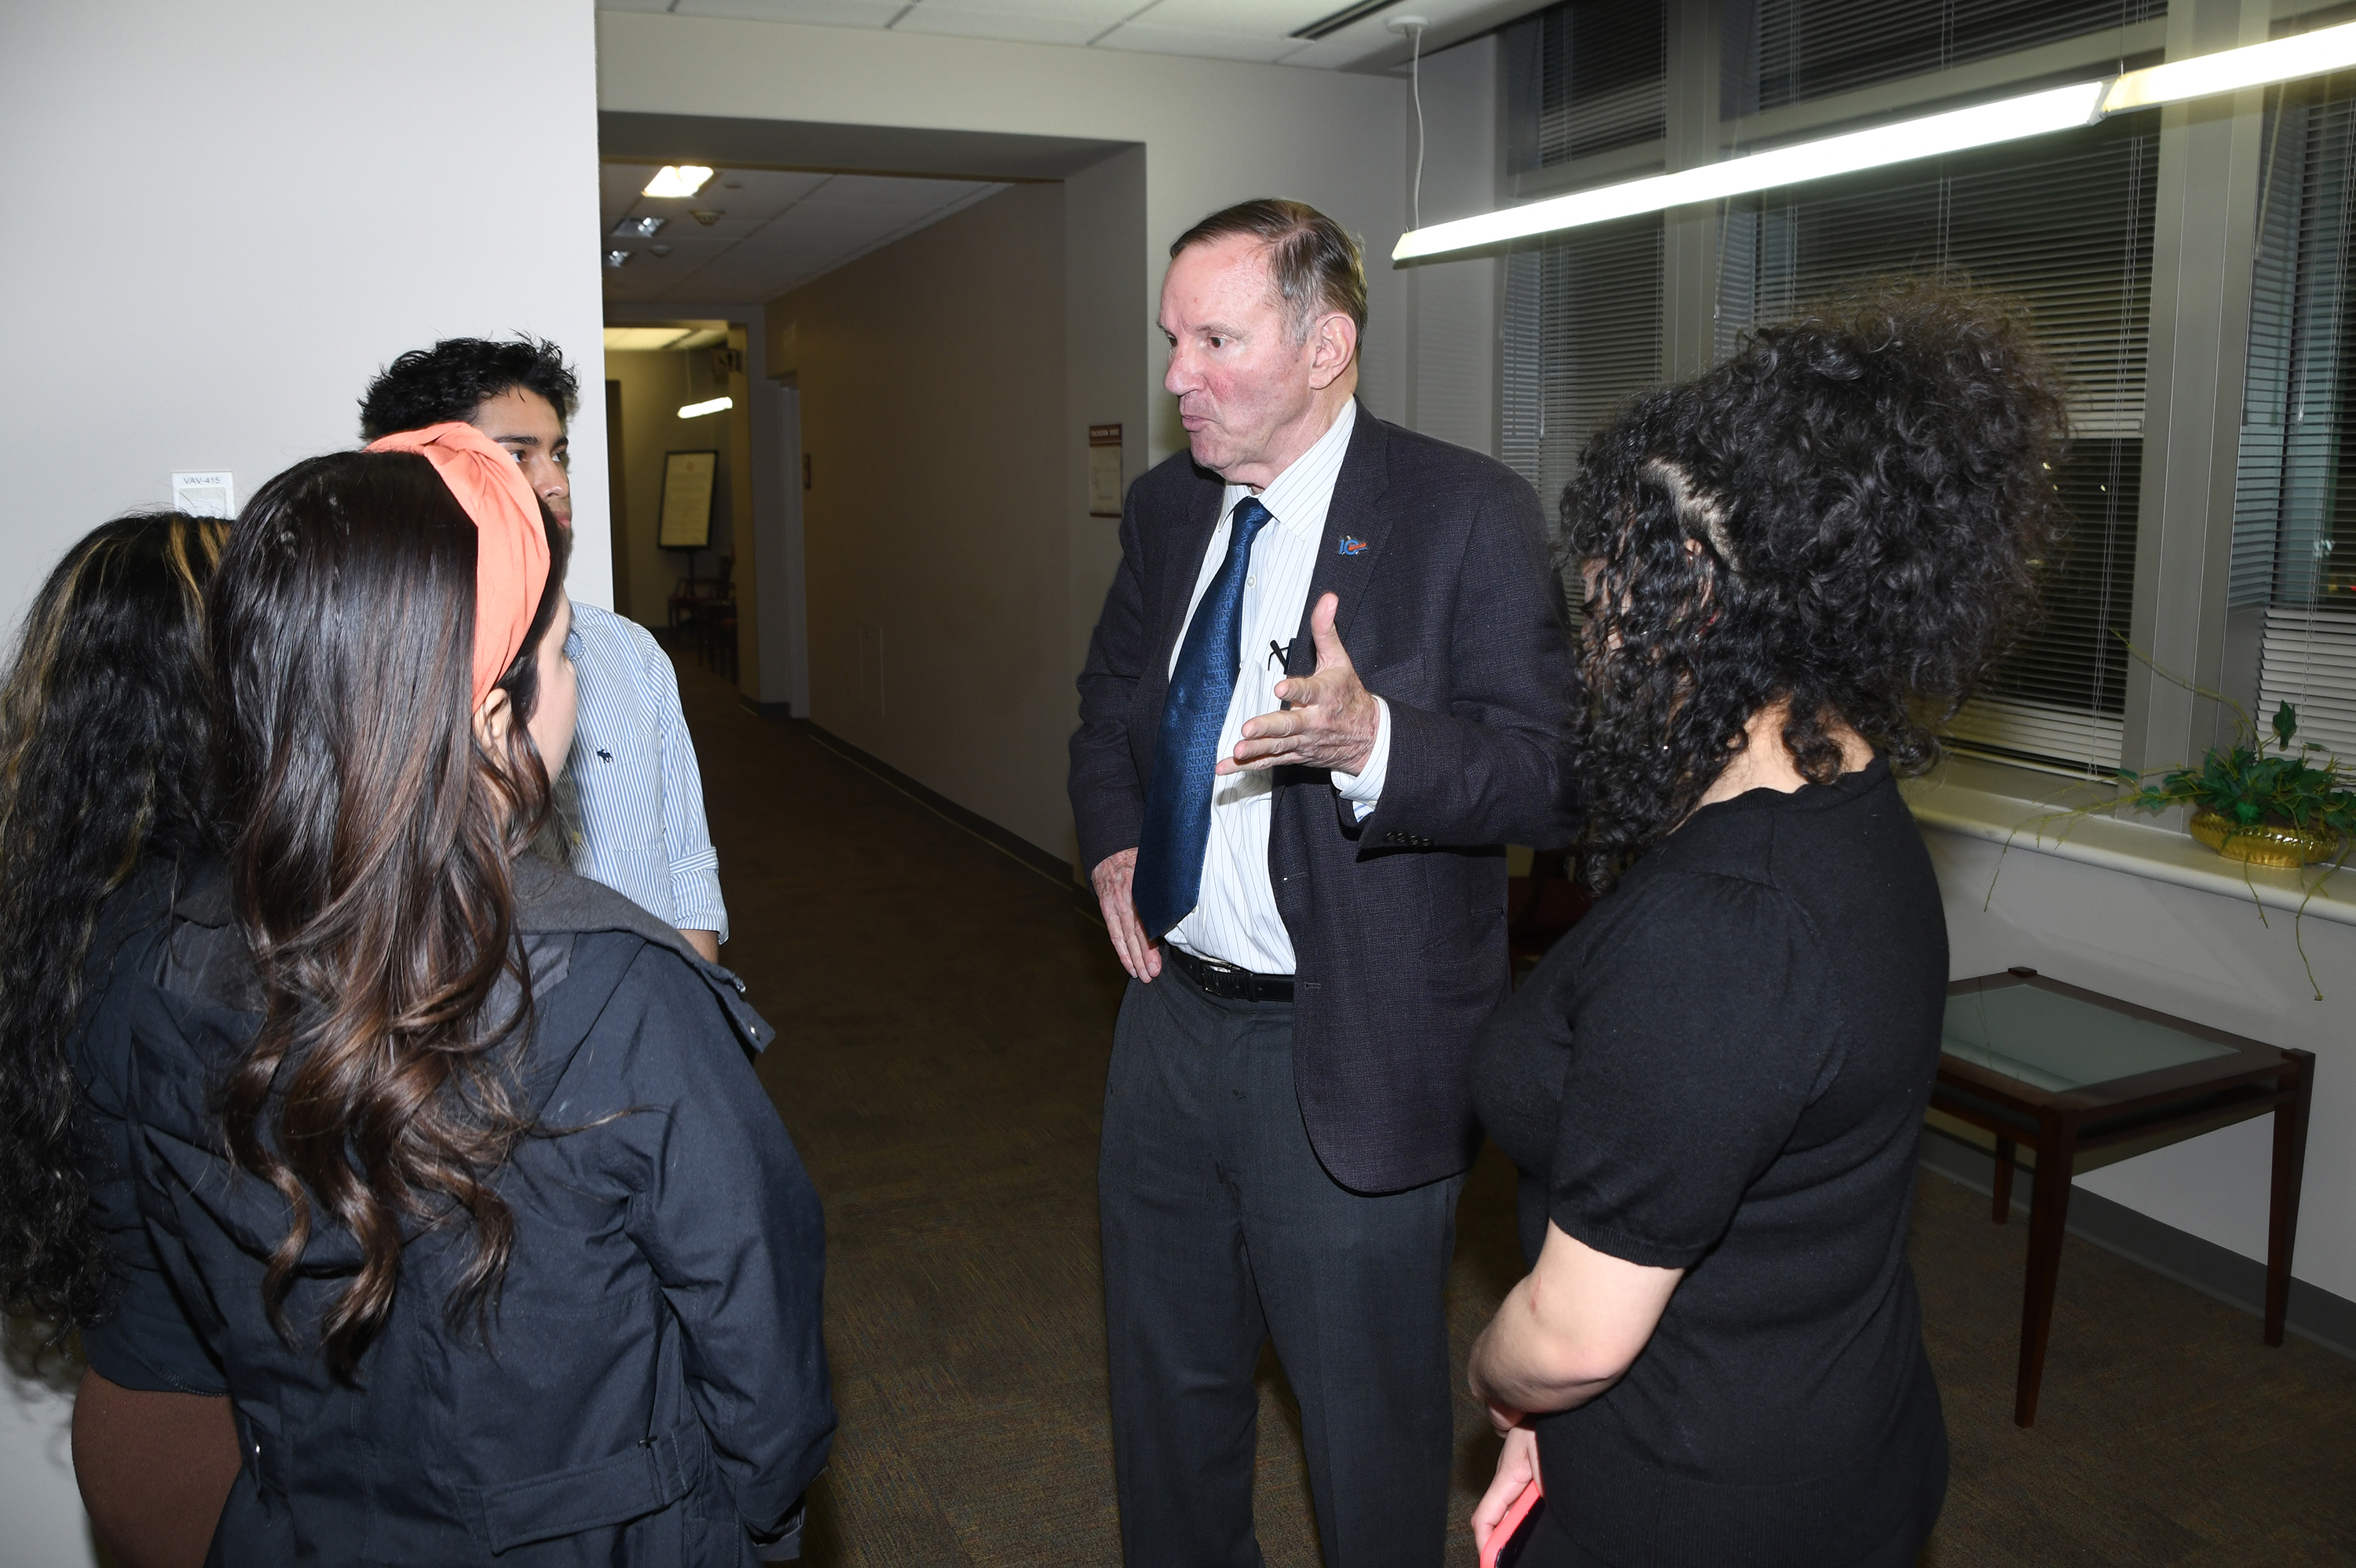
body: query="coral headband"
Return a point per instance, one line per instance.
(510, 548)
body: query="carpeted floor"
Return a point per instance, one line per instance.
(943, 1013)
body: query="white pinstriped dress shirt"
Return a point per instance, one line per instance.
(642, 829)
(1234, 919)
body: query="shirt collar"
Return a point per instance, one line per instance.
(1305, 474)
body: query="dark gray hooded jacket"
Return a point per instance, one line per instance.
(652, 1387)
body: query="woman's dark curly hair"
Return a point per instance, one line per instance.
(1847, 515)
(102, 759)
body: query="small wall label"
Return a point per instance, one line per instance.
(208, 495)
(1104, 471)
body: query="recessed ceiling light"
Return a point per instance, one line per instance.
(617, 258)
(678, 180)
(640, 228)
(708, 216)
(659, 249)
(732, 185)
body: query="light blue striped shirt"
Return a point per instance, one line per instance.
(643, 832)
(1234, 919)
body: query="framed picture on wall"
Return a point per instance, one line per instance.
(687, 499)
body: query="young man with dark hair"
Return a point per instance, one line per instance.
(641, 830)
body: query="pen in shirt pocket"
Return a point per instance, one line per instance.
(1279, 657)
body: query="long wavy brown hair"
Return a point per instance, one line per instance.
(102, 760)
(371, 863)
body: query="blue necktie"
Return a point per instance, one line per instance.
(1178, 802)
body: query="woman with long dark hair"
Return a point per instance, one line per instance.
(103, 768)
(505, 1244)
(1799, 565)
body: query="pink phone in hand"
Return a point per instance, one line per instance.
(1504, 1547)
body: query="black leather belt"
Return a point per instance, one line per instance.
(1227, 982)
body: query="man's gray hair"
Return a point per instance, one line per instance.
(1315, 263)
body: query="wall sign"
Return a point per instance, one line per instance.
(208, 495)
(687, 499)
(1104, 471)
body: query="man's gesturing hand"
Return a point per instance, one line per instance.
(1112, 876)
(1331, 724)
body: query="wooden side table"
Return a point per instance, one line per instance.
(2059, 1069)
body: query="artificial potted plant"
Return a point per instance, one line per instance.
(2267, 807)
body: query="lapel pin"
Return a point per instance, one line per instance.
(1352, 544)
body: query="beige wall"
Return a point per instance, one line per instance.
(1214, 132)
(932, 379)
(654, 385)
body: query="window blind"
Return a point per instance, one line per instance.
(2294, 552)
(1583, 337)
(1603, 75)
(1780, 52)
(2069, 234)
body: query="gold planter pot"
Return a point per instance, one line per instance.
(2266, 844)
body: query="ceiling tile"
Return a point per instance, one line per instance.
(820, 13)
(885, 191)
(1256, 30)
(1008, 28)
(1103, 13)
(1263, 49)
(1244, 18)
(782, 230)
(1026, 21)
(758, 194)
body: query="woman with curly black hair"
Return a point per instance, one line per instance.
(1798, 566)
(103, 763)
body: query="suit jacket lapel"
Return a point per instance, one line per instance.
(1354, 528)
(1183, 566)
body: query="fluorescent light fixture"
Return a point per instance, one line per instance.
(697, 410)
(2055, 109)
(639, 227)
(2230, 70)
(676, 179)
(617, 258)
(2032, 114)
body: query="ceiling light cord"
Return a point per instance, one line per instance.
(1413, 28)
(1415, 86)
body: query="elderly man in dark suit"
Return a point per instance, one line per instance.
(1301, 869)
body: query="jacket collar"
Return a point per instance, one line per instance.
(1356, 528)
(1352, 517)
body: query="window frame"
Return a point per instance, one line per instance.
(2205, 241)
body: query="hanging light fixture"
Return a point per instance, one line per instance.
(1959, 129)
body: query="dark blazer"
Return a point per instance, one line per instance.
(1452, 613)
(652, 1388)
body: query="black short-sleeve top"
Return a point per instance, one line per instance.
(1723, 1070)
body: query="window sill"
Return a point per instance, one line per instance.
(1981, 800)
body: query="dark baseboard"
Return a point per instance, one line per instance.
(780, 711)
(1055, 868)
(2314, 1314)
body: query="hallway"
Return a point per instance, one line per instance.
(943, 1013)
